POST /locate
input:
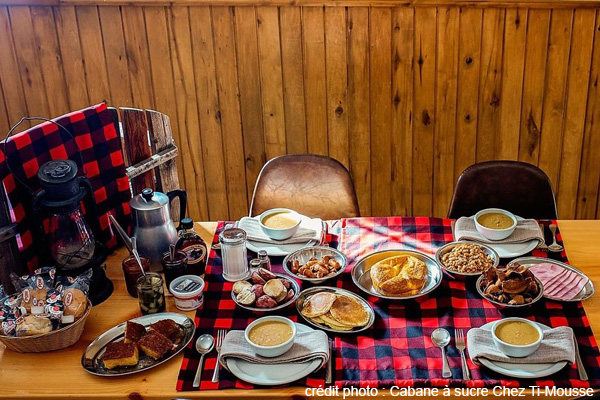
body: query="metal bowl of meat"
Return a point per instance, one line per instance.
(315, 264)
(265, 292)
(510, 287)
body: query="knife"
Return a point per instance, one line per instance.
(329, 372)
(580, 369)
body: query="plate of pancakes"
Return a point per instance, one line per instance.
(335, 310)
(397, 274)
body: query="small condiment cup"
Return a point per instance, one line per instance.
(495, 234)
(284, 233)
(271, 351)
(188, 291)
(514, 350)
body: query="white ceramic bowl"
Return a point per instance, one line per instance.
(271, 351)
(513, 350)
(495, 234)
(280, 234)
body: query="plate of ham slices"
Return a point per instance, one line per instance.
(561, 281)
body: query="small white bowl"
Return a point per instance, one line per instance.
(513, 350)
(280, 234)
(495, 234)
(271, 351)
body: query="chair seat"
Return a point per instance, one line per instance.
(313, 185)
(518, 187)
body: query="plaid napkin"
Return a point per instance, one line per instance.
(557, 346)
(525, 231)
(307, 347)
(307, 231)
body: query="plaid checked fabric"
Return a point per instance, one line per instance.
(100, 147)
(397, 349)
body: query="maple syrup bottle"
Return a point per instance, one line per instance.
(193, 245)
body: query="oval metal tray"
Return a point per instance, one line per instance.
(293, 285)
(319, 289)
(305, 254)
(585, 293)
(92, 357)
(362, 277)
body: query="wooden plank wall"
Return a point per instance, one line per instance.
(405, 97)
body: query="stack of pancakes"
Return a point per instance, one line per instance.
(400, 276)
(340, 312)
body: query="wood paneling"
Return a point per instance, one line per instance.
(405, 97)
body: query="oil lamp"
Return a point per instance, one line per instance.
(70, 238)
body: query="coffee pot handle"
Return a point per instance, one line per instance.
(182, 201)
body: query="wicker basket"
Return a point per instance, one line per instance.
(55, 340)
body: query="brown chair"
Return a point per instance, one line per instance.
(313, 185)
(518, 187)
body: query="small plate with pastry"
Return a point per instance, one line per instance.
(335, 310)
(397, 274)
(138, 344)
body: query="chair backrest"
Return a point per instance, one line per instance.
(518, 187)
(317, 186)
(149, 151)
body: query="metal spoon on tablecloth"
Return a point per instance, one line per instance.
(441, 337)
(204, 345)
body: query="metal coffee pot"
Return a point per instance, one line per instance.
(153, 227)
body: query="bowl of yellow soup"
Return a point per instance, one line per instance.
(495, 223)
(271, 336)
(280, 223)
(517, 337)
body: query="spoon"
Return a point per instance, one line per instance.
(136, 255)
(441, 337)
(555, 247)
(204, 345)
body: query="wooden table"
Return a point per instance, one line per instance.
(59, 374)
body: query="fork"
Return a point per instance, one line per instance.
(543, 246)
(220, 337)
(459, 339)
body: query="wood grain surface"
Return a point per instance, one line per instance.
(582, 243)
(404, 96)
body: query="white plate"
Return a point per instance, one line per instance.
(274, 249)
(522, 370)
(513, 249)
(279, 374)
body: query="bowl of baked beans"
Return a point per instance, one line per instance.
(466, 258)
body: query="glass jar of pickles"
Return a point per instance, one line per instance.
(151, 293)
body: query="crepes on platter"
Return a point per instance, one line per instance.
(400, 276)
(338, 311)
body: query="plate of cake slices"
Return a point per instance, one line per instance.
(138, 344)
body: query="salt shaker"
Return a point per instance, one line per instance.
(265, 262)
(233, 253)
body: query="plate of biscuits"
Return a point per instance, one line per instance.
(335, 310)
(138, 344)
(397, 274)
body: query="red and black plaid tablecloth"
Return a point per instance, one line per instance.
(397, 349)
(100, 146)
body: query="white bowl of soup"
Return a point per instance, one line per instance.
(271, 336)
(280, 223)
(495, 223)
(517, 337)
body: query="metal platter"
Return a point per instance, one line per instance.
(92, 357)
(506, 305)
(449, 246)
(305, 254)
(585, 293)
(362, 277)
(293, 286)
(319, 289)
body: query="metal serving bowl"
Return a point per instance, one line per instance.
(293, 286)
(506, 305)
(305, 254)
(362, 277)
(448, 247)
